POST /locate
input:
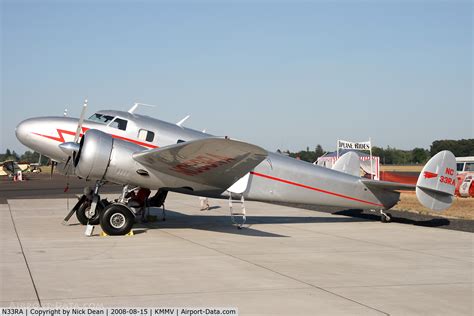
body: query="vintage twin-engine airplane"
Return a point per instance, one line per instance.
(135, 150)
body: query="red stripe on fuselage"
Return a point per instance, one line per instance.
(61, 139)
(312, 188)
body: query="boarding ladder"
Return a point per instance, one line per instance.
(237, 215)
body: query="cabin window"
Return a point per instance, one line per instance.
(180, 141)
(101, 118)
(119, 123)
(460, 166)
(469, 166)
(145, 135)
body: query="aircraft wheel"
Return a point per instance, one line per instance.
(386, 218)
(83, 215)
(116, 219)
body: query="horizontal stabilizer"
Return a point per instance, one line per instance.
(387, 185)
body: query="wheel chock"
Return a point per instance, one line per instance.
(104, 234)
(89, 230)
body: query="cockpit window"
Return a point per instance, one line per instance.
(119, 123)
(101, 118)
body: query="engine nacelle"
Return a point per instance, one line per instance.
(101, 157)
(93, 157)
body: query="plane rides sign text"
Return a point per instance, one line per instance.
(354, 145)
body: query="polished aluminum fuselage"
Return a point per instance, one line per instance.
(276, 179)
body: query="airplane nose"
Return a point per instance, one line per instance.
(41, 134)
(22, 132)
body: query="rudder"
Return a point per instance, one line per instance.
(437, 181)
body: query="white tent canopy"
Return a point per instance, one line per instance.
(329, 159)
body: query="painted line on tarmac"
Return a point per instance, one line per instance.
(24, 257)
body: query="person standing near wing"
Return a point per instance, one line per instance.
(204, 203)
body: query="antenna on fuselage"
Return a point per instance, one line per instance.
(135, 106)
(180, 123)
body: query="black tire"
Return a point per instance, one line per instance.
(116, 219)
(385, 218)
(82, 213)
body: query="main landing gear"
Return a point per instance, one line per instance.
(84, 214)
(118, 217)
(88, 207)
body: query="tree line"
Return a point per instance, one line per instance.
(28, 156)
(388, 156)
(394, 156)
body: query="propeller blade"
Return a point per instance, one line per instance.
(52, 169)
(81, 120)
(67, 162)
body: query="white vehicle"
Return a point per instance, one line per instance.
(465, 177)
(465, 164)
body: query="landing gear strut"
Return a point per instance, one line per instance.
(385, 217)
(93, 210)
(88, 207)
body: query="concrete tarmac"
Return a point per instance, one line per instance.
(288, 261)
(42, 185)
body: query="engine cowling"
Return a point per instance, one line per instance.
(102, 157)
(93, 157)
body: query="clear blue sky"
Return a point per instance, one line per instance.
(279, 74)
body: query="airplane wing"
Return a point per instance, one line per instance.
(214, 163)
(387, 185)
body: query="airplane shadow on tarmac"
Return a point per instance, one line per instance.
(223, 223)
(397, 218)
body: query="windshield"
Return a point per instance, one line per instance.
(101, 118)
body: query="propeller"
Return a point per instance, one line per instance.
(71, 148)
(53, 163)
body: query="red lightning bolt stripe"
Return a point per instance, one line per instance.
(61, 132)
